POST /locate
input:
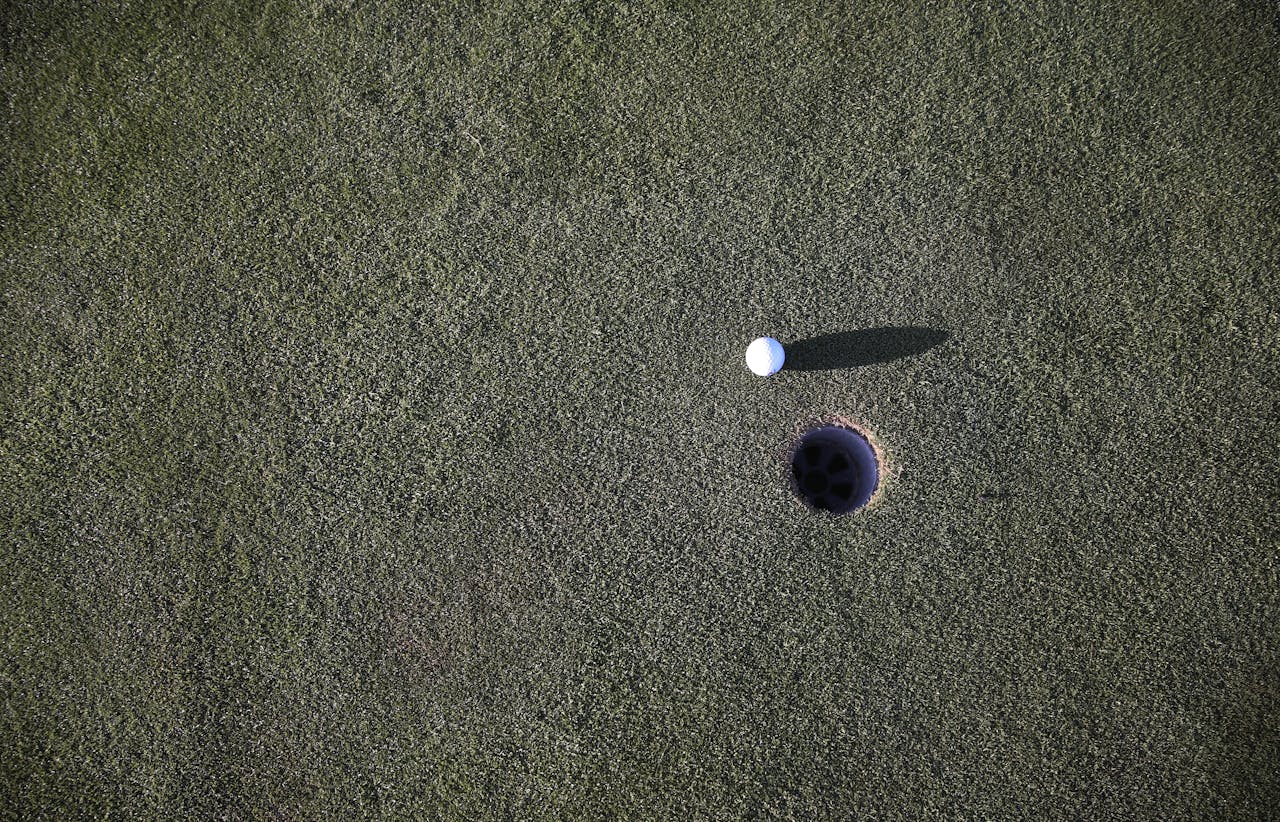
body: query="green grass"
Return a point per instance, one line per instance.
(375, 438)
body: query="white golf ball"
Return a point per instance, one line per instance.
(765, 356)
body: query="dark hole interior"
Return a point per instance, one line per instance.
(815, 482)
(834, 469)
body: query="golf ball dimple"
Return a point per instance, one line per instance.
(765, 356)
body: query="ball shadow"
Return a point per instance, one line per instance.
(868, 346)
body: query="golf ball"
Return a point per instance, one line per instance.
(765, 356)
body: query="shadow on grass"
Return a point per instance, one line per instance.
(868, 346)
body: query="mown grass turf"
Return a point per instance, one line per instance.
(375, 437)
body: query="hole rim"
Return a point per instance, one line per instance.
(863, 474)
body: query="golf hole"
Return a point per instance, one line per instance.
(835, 469)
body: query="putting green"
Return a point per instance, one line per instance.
(375, 436)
